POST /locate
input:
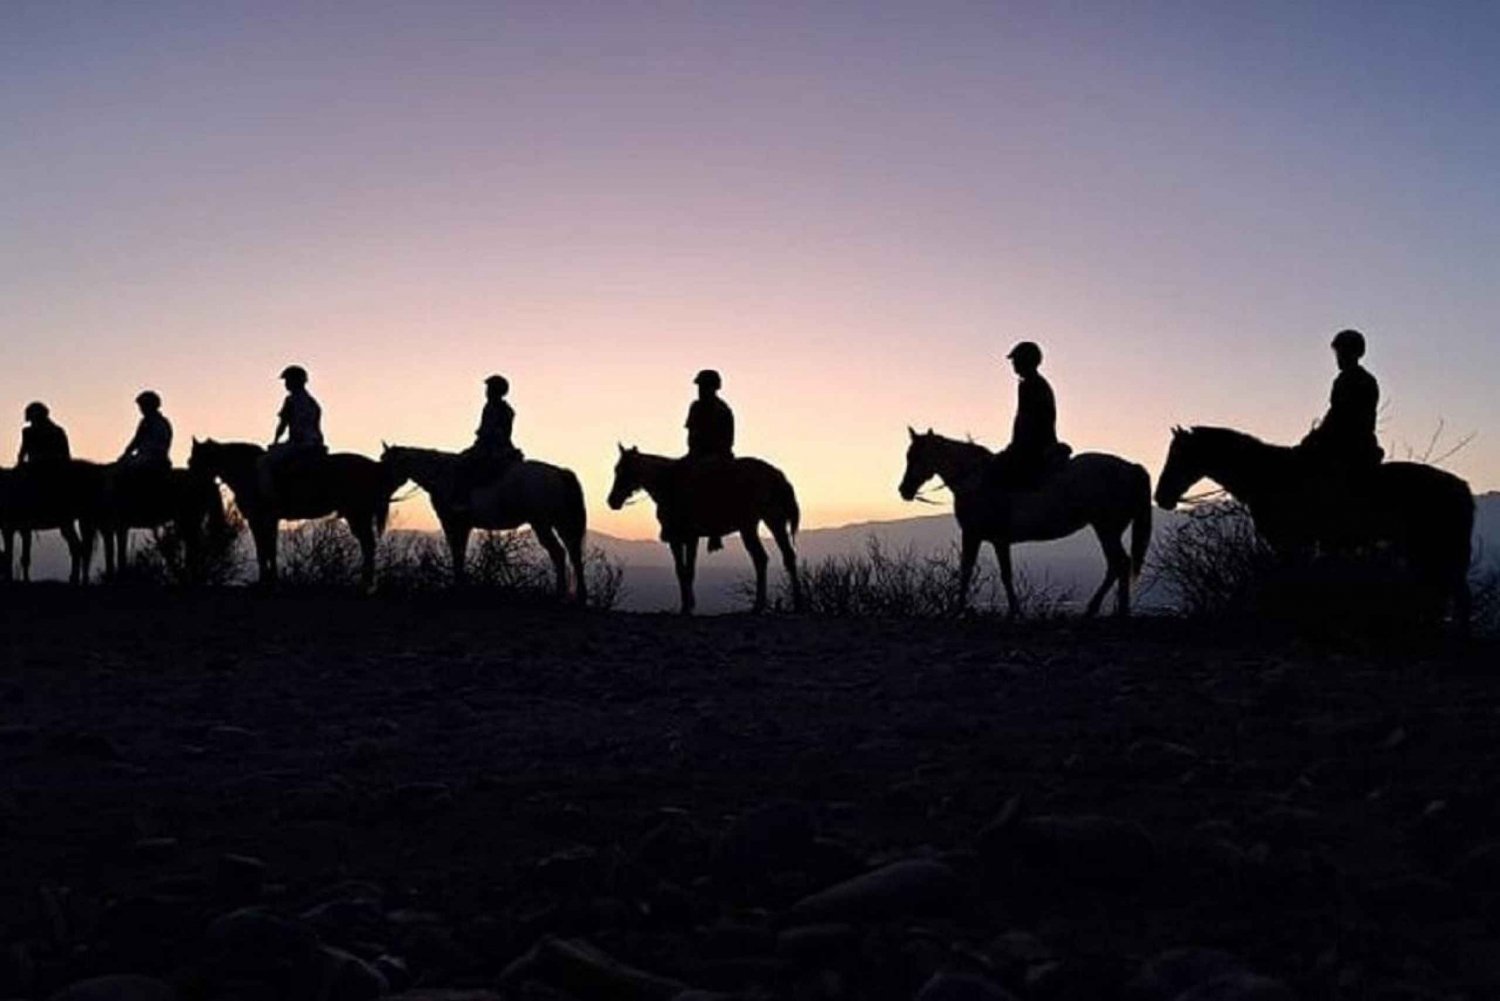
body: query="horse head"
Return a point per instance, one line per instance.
(627, 477)
(921, 463)
(1183, 468)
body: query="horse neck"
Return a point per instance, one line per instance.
(652, 470)
(957, 463)
(237, 467)
(428, 467)
(1243, 464)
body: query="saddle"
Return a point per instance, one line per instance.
(699, 482)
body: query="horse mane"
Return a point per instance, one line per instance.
(1229, 438)
(968, 444)
(237, 449)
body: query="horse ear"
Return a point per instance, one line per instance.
(620, 446)
(195, 439)
(911, 431)
(929, 432)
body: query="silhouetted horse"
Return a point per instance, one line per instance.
(34, 499)
(741, 496)
(356, 488)
(546, 497)
(1091, 490)
(1425, 513)
(186, 499)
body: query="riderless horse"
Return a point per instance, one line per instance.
(546, 497)
(1424, 513)
(1089, 490)
(737, 499)
(356, 488)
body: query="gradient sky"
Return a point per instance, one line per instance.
(852, 210)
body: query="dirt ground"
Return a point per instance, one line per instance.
(323, 796)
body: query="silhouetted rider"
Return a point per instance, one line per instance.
(710, 422)
(493, 450)
(44, 444)
(301, 420)
(151, 448)
(710, 442)
(1346, 435)
(1033, 437)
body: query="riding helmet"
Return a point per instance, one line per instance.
(1027, 353)
(294, 373)
(1350, 340)
(498, 382)
(148, 398)
(708, 377)
(36, 411)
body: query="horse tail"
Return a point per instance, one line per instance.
(573, 518)
(1140, 525)
(789, 499)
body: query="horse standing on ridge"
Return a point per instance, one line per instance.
(546, 497)
(1091, 490)
(1425, 513)
(749, 492)
(356, 488)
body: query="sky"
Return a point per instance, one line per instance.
(851, 210)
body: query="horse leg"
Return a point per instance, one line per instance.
(76, 572)
(574, 545)
(1117, 563)
(26, 555)
(363, 530)
(1007, 579)
(968, 554)
(788, 559)
(122, 543)
(264, 537)
(759, 559)
(457, 535)
(549, 542)
(685, 556)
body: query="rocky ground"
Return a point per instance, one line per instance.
(235, 796)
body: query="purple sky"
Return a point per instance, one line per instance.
(851, 210)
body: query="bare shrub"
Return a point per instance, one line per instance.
(1213, 562)
(1484, 589)
(907, 584)
(320, 553)
(221, 559)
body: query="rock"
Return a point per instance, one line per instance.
(1170, 973)
(913, 886)
(1239, 987)
(349, 978)
(962, 987)
(419, 798)
(123, 987)
(345, 922)
(239, 879)
(588, 974)
(1077, 848)
(1478, 872)
(255, 944)
(771, 835)
(815, 943)
(155, 849)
